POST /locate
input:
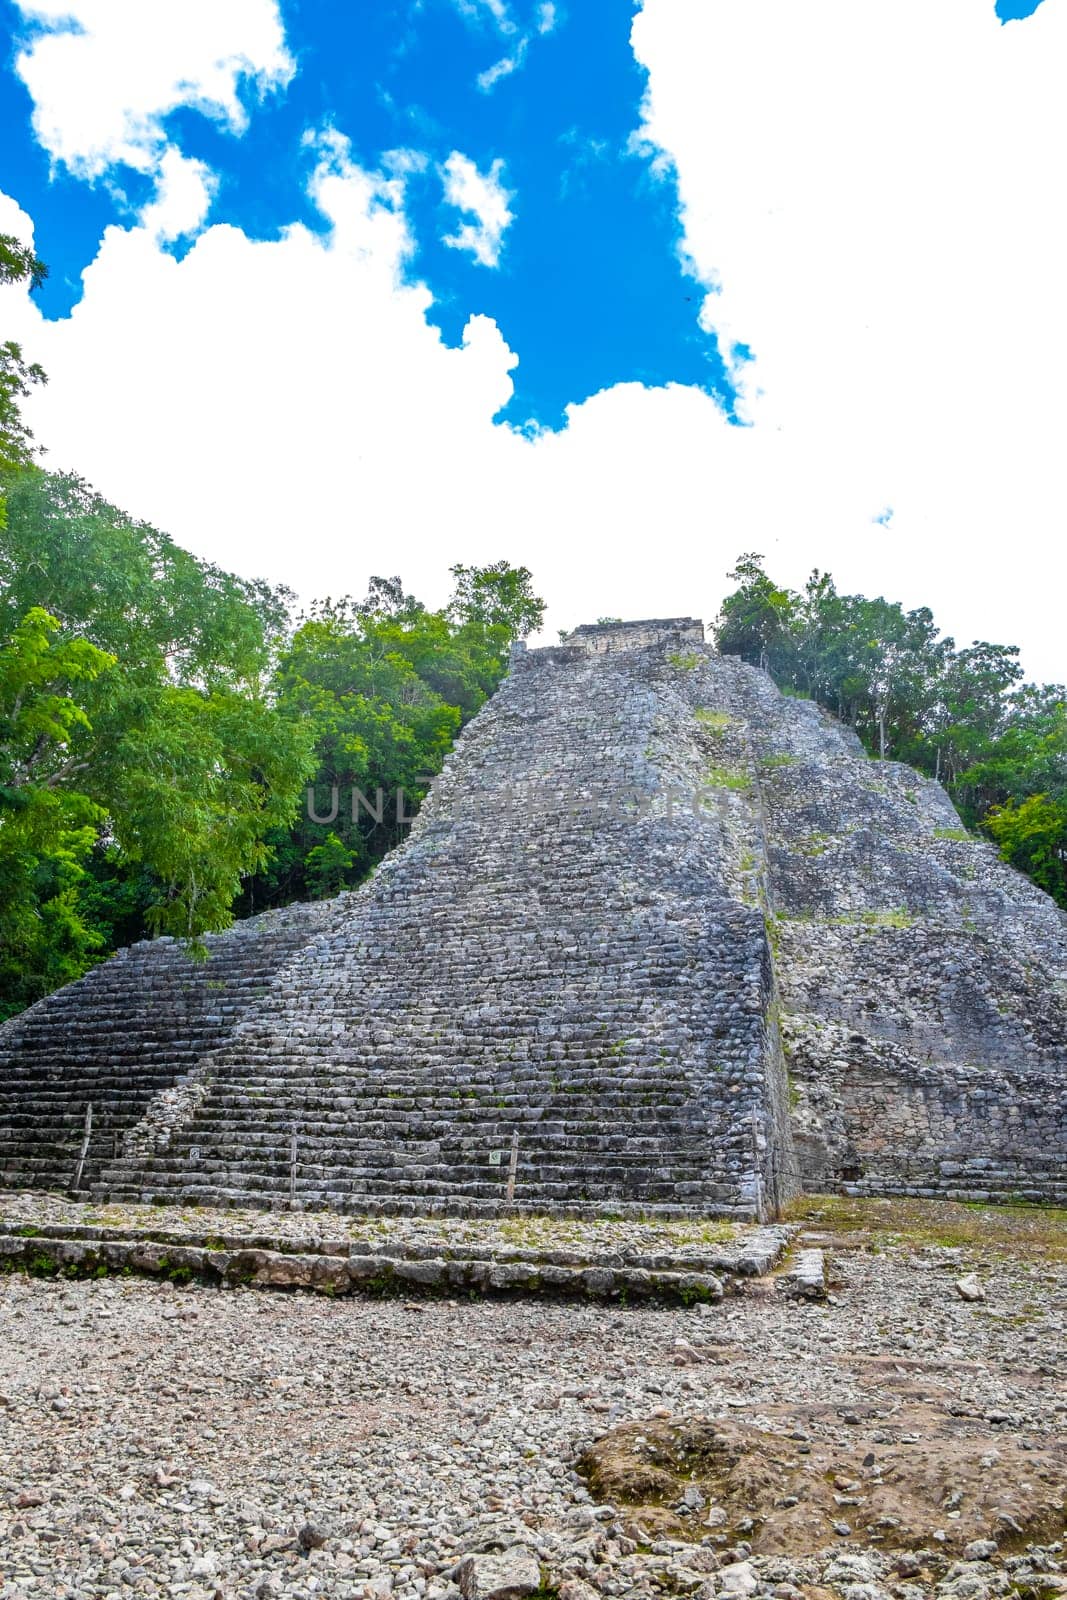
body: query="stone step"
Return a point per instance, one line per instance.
(738, 1256)
(345, 1166)
(374, 1132)
(281, 1119)
(262, 1194)
(805, 1276)
(372, 1274)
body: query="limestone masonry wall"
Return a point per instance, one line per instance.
(664, 933)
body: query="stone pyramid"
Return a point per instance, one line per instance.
(659, 938)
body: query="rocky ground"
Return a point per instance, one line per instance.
(197, 1442)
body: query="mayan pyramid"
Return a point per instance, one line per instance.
(660, 937)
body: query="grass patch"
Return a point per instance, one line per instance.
(684, 662)
(727, 778)
(781, 760)
(813, 844)
(899, 917)
(1013, 1230)
(716, 720)
(959, 834)
(693, 1294)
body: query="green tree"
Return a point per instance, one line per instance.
(18, 261)
(164, 769)
(17, 376)
(47, 822)
(755, 620)
(970, 706)
(898, 659)
(497, 596)
(1032, 835)
(384, 685)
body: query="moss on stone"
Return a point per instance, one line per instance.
(727, 778)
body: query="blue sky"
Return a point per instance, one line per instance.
(617, 289)
(589, 285)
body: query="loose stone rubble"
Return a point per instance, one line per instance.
(661, 938)
(157, 1440)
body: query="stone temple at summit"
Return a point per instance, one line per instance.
(660, 938)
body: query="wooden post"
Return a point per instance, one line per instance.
(86, 1136)
(292, 1170)
(760, 1212)
(513, 1167)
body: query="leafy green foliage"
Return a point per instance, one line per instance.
(1032, 834)
(384, 685)
(17, 376)
(755, 617)
(960, 715)
(18, 261)
(160, 721)
(46, 826)
(143, 763)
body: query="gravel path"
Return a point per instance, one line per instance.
(200, 1442)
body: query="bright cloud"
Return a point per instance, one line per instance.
(103, 74)
(544, 22)
(483, 196)
(495, 11)
(875, 192)
(184, 192)
(503, 68)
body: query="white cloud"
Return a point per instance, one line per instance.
(876, 188)
(184, 191)
(495, 11)
(503, 68)
(103, 74)
(483, 196)
(544, 21)
(877, 191)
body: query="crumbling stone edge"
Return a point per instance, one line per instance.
(502, 1273)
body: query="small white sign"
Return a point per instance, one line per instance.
(194, 1152)
(495, 1157)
